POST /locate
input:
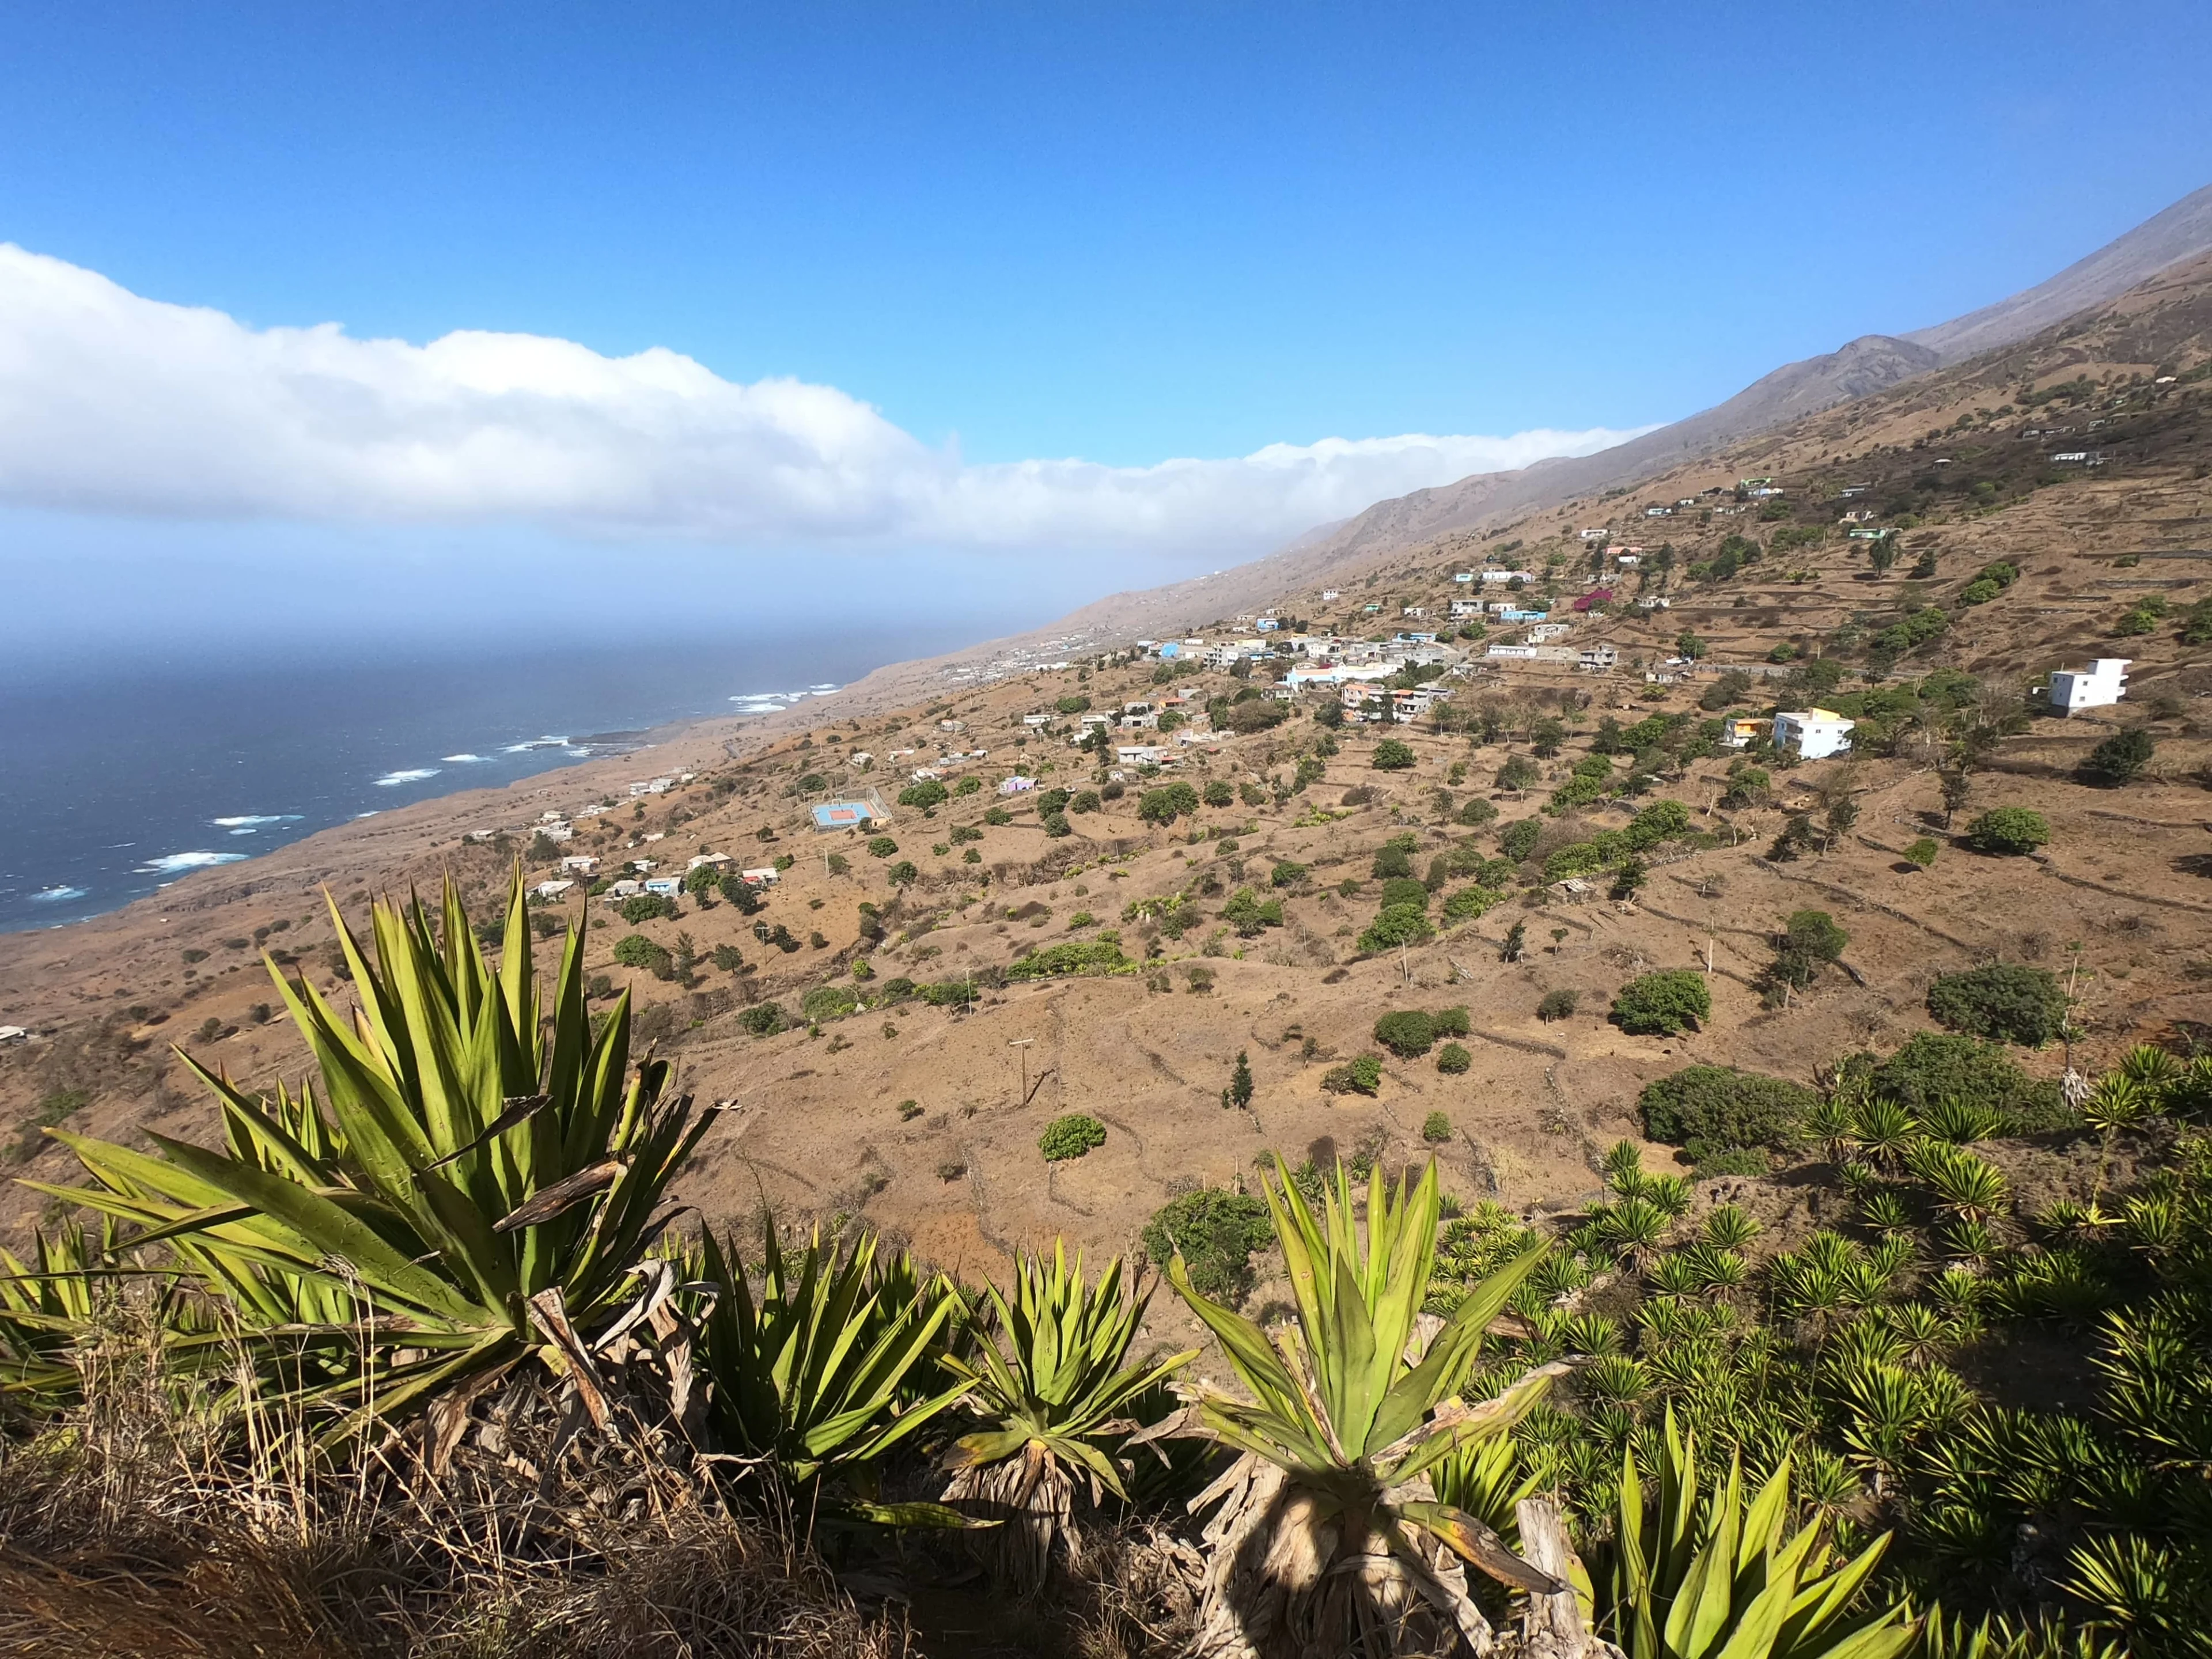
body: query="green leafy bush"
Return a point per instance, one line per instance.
(1452, 1060)
(647, 907)
(1937, 1066)
(882, 847)
(1706, 1109)
(1664, 1004)
(1469, 903)
(1074, 703)
(1219, 793)
(1407, 1033)
(1449, 1022)
(1559, 1005)
(2010, 830)
(1393, 862)
(1392, 756)
(827, 1002)
(1070, 956)
(927, 794)
(1517, 840)
(1216, 1232)
(1404, 889)
(1809, 939)
(2006, 1001)
(1733, 1161)
(903, 874)
(636, 951)
(1287, 874)
(1071, 1136)
(1476, 813)
(2120, 759)
(762, 1019)
(1359, 1076)
(1436, 1129)
(1922, 851)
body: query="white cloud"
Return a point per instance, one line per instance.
(111, 403)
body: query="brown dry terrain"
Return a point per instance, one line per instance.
(926, 1119)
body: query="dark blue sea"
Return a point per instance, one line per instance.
(125, 773)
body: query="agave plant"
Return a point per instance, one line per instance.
(1330, 1537)
(1052, 1373)
(1692, 1575)
(1885, 1130)
(1962, 1121)
(46, 1310)
(469, 1186)
(1729, 1228)
(814, 1373)
(1965, 1186)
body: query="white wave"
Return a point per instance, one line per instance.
(177, 863)
(535, 743)
(359, 816)
(55, 895)
(462, 760)
(414, 775)
(251, 821)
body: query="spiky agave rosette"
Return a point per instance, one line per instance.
(1330, 1537)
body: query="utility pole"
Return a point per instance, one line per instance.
(1021, 1045)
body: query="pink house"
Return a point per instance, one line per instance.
(1596, 596)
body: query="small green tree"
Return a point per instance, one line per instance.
(1922, 851)
(1808, 940)
(1397, 924)
(1558, 1005)
(1517, 943)
(1392, 756)
(1664, 1004)
(2009, 831)
(1452, 1059)
(1239, 1094)
(1168, 803)
(1362, 1075)
(1219, 793)
(882, 847)
(1436, 1129)
(1216, 1233)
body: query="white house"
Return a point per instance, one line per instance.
(1464, 576)
(2104, 683)
(1508, 575)
(1598, 659)
(701, 859)
(1815, 734)
(1016, 785)
(552, 890)
(1329, 593)
(1544, 632)
(1522, 653)
(665, 886)
(1136, 754)
(763, 878)
(1466, 607)
(626, 888)
(1033, 721)
(580, 864)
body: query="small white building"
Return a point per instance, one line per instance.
(767, 876)
(1329, 593)
(703, 858)
(628, 887)
(665, 886)
(1033, 721)
(1814, 733)
(1544, 632)
(580, 864)
(550, 889)
(2104, 683)
(1597, 659)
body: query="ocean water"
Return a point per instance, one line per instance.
(128, 774)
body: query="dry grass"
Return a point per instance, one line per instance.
(139, 1527)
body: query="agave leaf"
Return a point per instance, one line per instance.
(1478, 1545)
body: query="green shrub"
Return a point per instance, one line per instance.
(1393, 863)
(1407, 1033)
(636, 951)
(764, 1019)
(1396, 925)
(1436, 1129)
(1392, 756)
(1219, 793)
(895, 990)
(1360, 1076)
(1449, 1022)
(1808, 939)
(1404, 889)
(1559, 1005)
(1216, 1233)
(1706, 1109)
(882, 847)
(1287, 874)
(1477, 812)
(728, 958)
(1452, 1060)
(827, 1002)
(2009, 830)
(1075, 703)
(647, 907)
(1517, 840)
(1936, 1065)
(1664, 1004)
(1469, 903)
(2120, 759)
(1980, 591)
(2006, 1001)
(1071, 1136)
(926, 794)
(1083, 801)
(947, 992)
(903, 874)
(1070, 956)
(1922, 851)
(1579, 858)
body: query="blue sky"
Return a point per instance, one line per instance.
(1125, 234)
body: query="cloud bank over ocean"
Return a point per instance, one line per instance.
(111, 403)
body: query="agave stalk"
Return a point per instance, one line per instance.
(1694, 1575)
(1331, 1538)
(813, 1374)
(1052, 1372)
(468, 1187)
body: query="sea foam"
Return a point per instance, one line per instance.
(413, 774)
(177, 863)
(462, 760)
(55, 895)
